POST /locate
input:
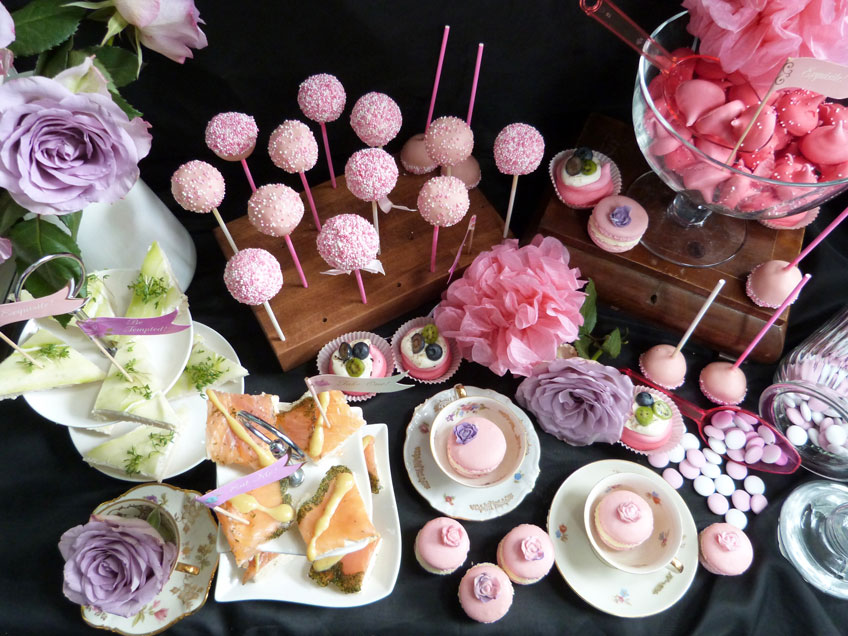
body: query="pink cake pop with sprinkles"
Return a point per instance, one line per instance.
(375, 119)
(348, 243)
(253, 277)
(199, 187)
(292, 147)
(275, 209)
(370, 175)
(442, 201)
(518, 150)
(448, 141)
(322, 98)
(232, 136)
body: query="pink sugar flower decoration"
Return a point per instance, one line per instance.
(514, 306)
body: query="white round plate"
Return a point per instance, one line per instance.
(449, 497)
(71, 406)
(602, 586)
(190, 449)
(183, 594)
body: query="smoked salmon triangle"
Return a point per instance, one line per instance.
(228, 442)
(303, 423)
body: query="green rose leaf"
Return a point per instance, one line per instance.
(10, 212)
(589, 309)
(582, 346)
(51, 63)
(612, 344)
(43, 24)
(72, 222)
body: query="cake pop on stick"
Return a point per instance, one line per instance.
(349, 243)
(253, 277)
(442, 201)
(198, 187)
(468, 170)
(322, 98)
(665, 365)
(275, 209)
(518, 150)
(376, 119)
(232, 136)
(770, 283)
(292, 147)
(449, 141)
(370, 175)
(725, 383)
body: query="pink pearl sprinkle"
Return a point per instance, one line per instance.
(292, 147)
(371, 174)
(347, 242)
(198, 186)
(232, 136)
(321, 97)
(443, 201)
(518, 149)
(375, 119)
(253, 276)
(448, 141)
(275, 209)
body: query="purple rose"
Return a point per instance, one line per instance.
(465, 431)
(60, 151)
(620, 217)
(169, 27)
(7, 27)
(532, 549)
(577, 400)
(486, 588)
(115, 564)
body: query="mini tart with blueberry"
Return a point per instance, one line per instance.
(583, 177)
(653, 422)
(358, 358)
(425, 353)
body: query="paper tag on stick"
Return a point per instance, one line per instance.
(330, 382)
(54, 304)
(819, 76)
(157, 326)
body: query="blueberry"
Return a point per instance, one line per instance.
(574, 165)
(433, 352)
(344, 351)
(361, 350)
(583, 153)
(643, 398)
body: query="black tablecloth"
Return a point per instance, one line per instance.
(544, 64)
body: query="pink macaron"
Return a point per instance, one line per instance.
(476, 447)
(441, 546)
(617, 223)
(623, 520)
(526, 554)
(485, 593)
(724, 549)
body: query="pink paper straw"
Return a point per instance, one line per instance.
(248, 175)
(361, 286)
(789, 299)
(818, 239)
(438, 76)
(309, 198)
(433, 251)
(297, 266)
(329, 158)
(474, 83)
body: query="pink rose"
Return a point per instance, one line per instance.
(532, 549)
(7, 27)
(628, 512)
(486, 588)
(169, 27)
(452, 535)
(728, 541)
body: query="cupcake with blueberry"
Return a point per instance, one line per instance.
(357, 355)
(582, 177)
(423, 352)
(654, 424)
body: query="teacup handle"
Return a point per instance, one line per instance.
(186, 568)
(460, 391)
(675, 565)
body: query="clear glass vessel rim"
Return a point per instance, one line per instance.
(644, 64)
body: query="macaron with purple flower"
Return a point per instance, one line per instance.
(617, 223)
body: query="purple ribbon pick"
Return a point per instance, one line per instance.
(275, 472)
(160, 325)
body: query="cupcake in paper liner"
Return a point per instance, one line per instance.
(359, 354)
(582, 177)
(791, 222)
(427, 355)
(654, 424)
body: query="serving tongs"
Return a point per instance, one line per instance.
(280, 445)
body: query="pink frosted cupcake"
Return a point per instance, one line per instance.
(425, 353)
(485, 593)
(583, 177)
(623, 520)
(526, 554)
(654, 422)
(441, 546)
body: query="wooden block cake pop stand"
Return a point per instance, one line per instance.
(644, 285)
(331, 306)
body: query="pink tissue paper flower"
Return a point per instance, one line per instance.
(756, 36)
(514, 306)
(169, 27)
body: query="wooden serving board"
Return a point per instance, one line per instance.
(331, 306)
(642, 284)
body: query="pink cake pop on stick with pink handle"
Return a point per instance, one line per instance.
(376, 119)
(370, 175)
(275, 209)
(322, 98)
(665, 365)
(293, 148)
(468, 169)
(518, 150)
(348, 243)
(770, 283)
(199, 187)
(232, 136)
(449, 141)
(442, 201)
(725, 383)
(253, 277)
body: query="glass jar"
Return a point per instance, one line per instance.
(811, 392)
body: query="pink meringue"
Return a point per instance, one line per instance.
(760, 132)
(826, 144)
(716, 124)
(831, 114)
(696, 97)
(798, 111)
(834, 172)
(735, 188)
(704, 178)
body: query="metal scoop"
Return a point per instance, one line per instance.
(279, 446)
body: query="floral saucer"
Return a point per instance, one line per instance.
(183, 594)
(611, 590)
(449, 497)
